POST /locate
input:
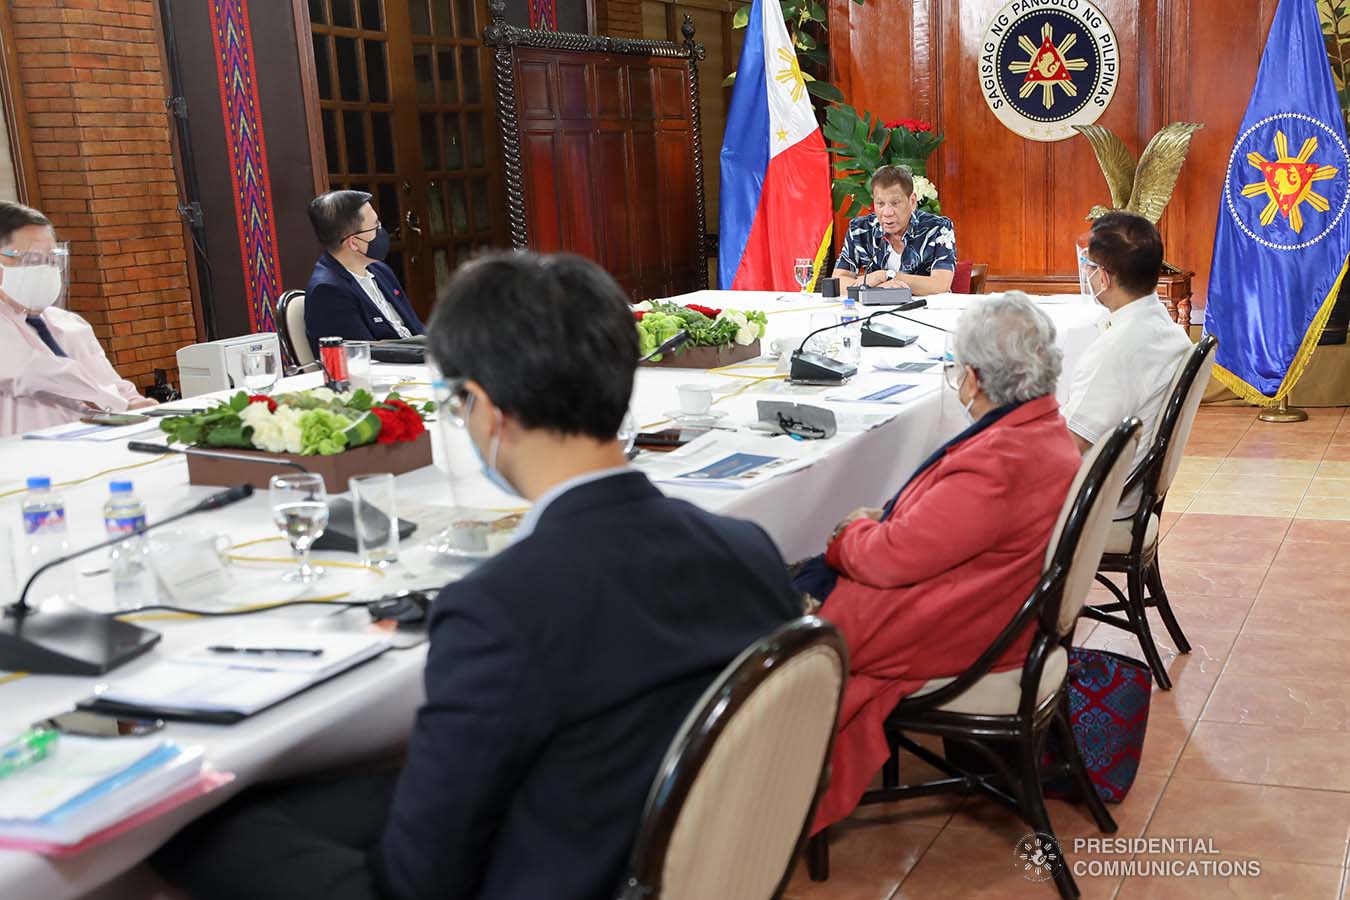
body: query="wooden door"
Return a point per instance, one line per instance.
(402, 87)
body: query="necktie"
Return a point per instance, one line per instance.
(38, 324)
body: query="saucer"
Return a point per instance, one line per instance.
(710, 417)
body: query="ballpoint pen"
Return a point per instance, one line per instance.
(268, 651)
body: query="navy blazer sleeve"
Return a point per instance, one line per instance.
(484, 718)
(332, 310)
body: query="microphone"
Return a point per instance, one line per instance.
(675, 341)
(81, 641)
(891, 312)
(815, 368)
(159, 449)
(300, 370)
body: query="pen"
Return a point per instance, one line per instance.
(34, 745)
(268, 651)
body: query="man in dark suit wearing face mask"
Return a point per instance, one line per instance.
(352, 294)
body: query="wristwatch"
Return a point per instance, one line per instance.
(890, 274)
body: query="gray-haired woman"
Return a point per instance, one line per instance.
(921, 587)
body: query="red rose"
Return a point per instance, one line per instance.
(398, 422)
(705, 310)
(263, 398)
(638, 314)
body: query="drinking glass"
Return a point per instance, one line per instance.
(627, 434)
(358, 365)
(375, 514)
(802, 270)
(260, 371)
(300, 510)
(827, 342)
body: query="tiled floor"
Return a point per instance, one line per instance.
(1252, 747)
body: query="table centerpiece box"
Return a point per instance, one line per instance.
(717, 337)
(334, 435)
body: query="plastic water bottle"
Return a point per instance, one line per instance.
(851, 333)
(44, 524)
(123, 516)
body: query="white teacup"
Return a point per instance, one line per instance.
(695, 399)
(782, 345)
(192, 564)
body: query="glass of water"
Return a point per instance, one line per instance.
(260, 371)
(802, 270)
(375, 514)
(627, 433)
(300, 510)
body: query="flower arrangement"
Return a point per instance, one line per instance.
(707, 327)
(862, 144)
(314, 422)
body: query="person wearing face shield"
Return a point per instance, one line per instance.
(559, 670)
(352, 293)
(52, 369)
(1128, 369)
(922, 586)
(898, 243)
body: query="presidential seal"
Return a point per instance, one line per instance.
(1281, 199)
(1048, 65)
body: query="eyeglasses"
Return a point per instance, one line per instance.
(375, 227)
(57, 256)
(799, 429)
(453, 402)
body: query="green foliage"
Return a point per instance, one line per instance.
(664, 320)
(1335, 17)
(808, 23)
(322, 432)
(219, 426)
(861, 144)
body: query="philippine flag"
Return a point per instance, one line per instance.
(776, 203)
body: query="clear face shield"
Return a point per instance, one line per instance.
(35, 279)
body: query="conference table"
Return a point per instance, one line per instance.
(367, 713)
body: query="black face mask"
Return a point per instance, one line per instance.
(377, 248)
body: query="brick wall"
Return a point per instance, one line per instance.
(93, 82)
(619, 18)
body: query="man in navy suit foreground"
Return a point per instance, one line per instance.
(352, 293)
(560, 670)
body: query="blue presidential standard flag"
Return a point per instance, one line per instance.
(1283, 232)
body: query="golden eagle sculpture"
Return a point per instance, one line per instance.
(1144, 188)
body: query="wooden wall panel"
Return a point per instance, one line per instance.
(1019, 204)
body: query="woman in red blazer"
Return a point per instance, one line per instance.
(922, 587)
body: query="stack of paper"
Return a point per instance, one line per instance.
(88, 784)
(212, 684)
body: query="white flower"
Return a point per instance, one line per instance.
(275, 432)
(732, 315)
(747, 334)
(924, 188)
(322, 394)
(644, 306)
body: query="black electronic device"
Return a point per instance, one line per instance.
(340, 533)
(876, 333)
(900, 295)
(75, 641)
(404, 607)
(409, 351)
(674, 342)
(667, 439)
(829, 288)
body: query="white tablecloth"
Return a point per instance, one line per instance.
(370, 710)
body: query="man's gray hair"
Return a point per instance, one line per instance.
(1011, 344)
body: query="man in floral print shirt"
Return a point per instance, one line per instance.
(898, 243)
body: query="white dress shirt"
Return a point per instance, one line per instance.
(367, 282)
(1126, 371)
(39, 389)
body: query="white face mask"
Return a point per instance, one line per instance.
(32, 287)
(1096, 294)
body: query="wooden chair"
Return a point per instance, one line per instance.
(969, 277)
(1132, 547)
(290, 321)
(992, 711)
(738, 788)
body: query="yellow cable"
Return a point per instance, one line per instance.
(76, 481)
(12, 676)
